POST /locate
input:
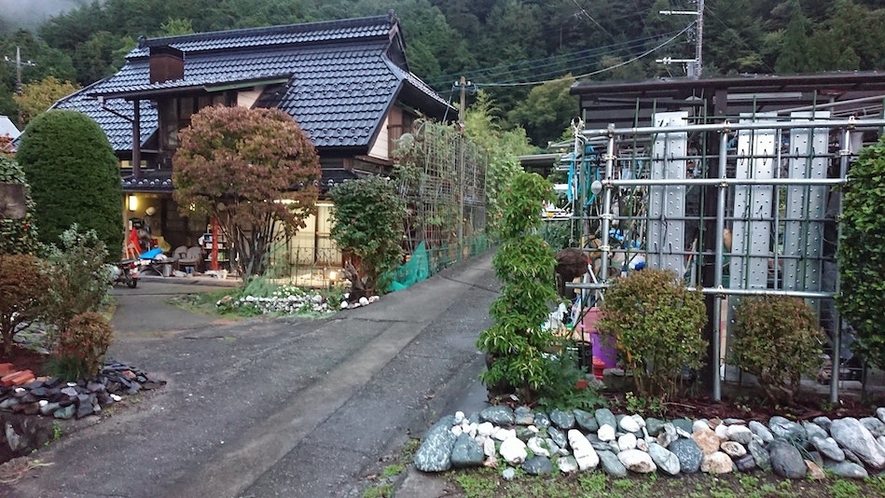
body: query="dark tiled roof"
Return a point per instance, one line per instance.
(340, 80)
(117, 127)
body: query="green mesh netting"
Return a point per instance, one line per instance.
(416, 269)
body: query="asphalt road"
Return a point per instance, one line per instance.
(274, 407)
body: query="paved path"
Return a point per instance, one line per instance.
(274, 407)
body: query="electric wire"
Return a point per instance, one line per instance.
(533, 64)
(593, 73)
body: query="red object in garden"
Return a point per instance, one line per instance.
(598, 367)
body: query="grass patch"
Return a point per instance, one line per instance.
(382, 491)
(487, 483)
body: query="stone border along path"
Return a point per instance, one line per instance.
(581, 441)
(52, 398)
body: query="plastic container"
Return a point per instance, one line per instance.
(601, 349)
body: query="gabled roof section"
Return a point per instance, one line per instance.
(113, 116)
(336, 78)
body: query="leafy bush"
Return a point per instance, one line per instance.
(516, 345)
(657, 324)
(777, 339)
(17, 236)
(78, 278)
(861, 253)
(74, 177)
(80, 349)
(564, 393)
(22, 287)
(368, 220)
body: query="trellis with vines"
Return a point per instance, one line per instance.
(438, 169)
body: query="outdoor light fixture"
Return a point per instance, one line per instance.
(132, 202)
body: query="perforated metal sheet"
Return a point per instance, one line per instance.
(751, 234)
(666, 233)
(804, 239)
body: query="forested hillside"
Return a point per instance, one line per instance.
(509, 48)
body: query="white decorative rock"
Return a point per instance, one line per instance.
(717, 463)
(457, 430)
(485, 429)
(880, 412)
(637, 461)
(642, 444)
(488, 447)
(459, 417)
(639, 420)
(699, 425)
(606, 433)
(364, 301)
(721, 432)
(733, 449)
(739, 434)
(535, 444)
(627, 442)
(513, 451)
(583, 451)
(628, 424)
(502, 434)
(343, 305)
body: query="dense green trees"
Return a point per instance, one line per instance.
(74, 178)
(503, 46)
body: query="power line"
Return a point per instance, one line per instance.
(594, 73)
(591, 18)
(534, 64)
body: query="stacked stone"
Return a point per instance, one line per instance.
(576, 441)
(51, 397)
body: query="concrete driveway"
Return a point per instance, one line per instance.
(274, 407)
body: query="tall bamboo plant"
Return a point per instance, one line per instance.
(516, 345)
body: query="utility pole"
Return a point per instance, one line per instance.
(18, 68)
(462, 114)
(695, 66)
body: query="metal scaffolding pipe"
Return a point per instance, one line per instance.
(607, 206)
(724, 291)
(837, 334)
(728, 126)
(647, 182)
(719, 259)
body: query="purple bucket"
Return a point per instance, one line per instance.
(602, 348)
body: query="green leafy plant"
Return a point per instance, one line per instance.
(657, 324)
(642, 405)
(861, 253)
(368, 225)
(517, 347)
(778, 340)
(568, 392)
(22, 288)
(78, 278)
(80, 349)
(17, 236)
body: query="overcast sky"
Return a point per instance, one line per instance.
(29, 13)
